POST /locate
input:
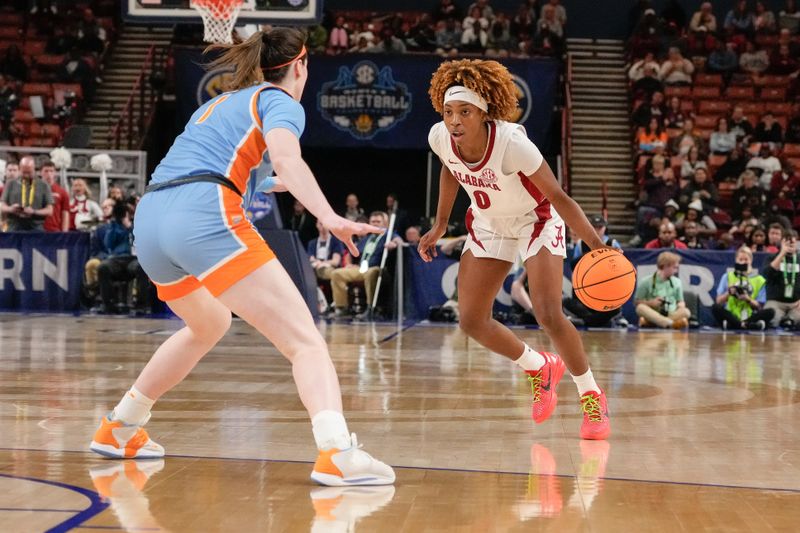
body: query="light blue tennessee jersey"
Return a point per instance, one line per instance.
(225, 137)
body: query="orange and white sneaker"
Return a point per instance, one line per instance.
(117, 440)
(596, 425)
(352, 466)
(543, 386)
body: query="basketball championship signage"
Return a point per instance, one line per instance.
(375, 100)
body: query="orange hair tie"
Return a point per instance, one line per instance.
(295, 58)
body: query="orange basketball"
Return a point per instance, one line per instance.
(604, 279)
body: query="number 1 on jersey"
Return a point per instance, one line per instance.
(482, 199)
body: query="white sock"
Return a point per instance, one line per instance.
(530, 359)
(330, 430)
(133, 409)
(585, 383)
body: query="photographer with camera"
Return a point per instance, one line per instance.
(659, 298)
(783, 287)
(741, 295)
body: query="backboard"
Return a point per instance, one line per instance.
(253, 11)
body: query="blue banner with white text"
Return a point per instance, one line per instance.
(42, 271)
(376, 100)
(700, 271)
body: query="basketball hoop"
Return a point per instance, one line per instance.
(219, 17)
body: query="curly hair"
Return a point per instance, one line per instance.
(489, 79)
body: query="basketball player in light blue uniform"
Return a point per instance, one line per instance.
(196, 244)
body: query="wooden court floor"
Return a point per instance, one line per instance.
(706, 434)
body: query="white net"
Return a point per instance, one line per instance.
(219, 17)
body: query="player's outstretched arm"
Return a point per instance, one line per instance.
(448, 189)
(568, 208)
(297, 178)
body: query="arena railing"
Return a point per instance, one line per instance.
(128, 170)
(566, 128)
(134, 120)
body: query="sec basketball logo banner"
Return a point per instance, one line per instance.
(364, 100)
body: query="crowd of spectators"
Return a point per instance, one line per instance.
(716, 125)
(32, 201)
(51, 54)
(535, 28)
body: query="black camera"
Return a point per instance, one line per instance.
(666, 305)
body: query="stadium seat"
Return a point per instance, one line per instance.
(740, 93)
(714, 107)
(680, 91)
(699, 92)
(773, 93)
(714, 80)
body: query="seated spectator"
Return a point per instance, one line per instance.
(474, 38)
(422, 37)
(673, 14)
(301, 221)
(27, 201)
(475, 15)
(75, 69)
(674, 117)
(700, 43)
(560, 11)
(793, 126)
(696, 215)
(764, 165)
(546, 42)
(691, 236)
(647, 34)
(413, 235)
(691, 163)
(121, 264)
(448, 37)
(723, 60)
(740, 20)
(653, 138)
(660, 186)
(671, 213)
(447, 9)
(483, 7)
(84, 213)
(733, 167)
(782, 62)
(700, 188)
(785, 38)
(704, 17)
(785, 185)
(361, 47)
(757, 241)
(13, 64)
(659, 298)
(325, 253)
(686, 140)
(653, 108)
(97, 253)
(783, 286)
(339, 38)
(91, 36)
(749, 195)
(590, 317)
(753, 61)
(523, 22)
(789, 17)
(764, 21)
(768, 130)
(676, 70)
(738, 124)
(741, 295)
(666, 238)
(722, 140)
(368, 269)
(550, 19)
(387, 43)
(499, 42)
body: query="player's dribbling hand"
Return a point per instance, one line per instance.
(427, 244)
(344, 229)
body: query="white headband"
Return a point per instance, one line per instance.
(459, 92)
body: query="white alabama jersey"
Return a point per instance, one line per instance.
(492, 192)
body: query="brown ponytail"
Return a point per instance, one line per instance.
(252, 59)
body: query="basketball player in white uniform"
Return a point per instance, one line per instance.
(515, 205)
